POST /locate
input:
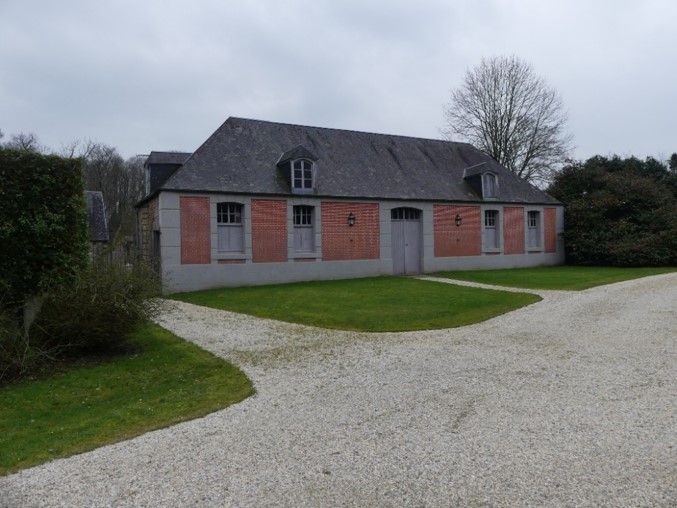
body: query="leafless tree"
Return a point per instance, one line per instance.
(506, 110)
(25, 143)
(120, 181)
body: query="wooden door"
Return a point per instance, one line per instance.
(406, 240)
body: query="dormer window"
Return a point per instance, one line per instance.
(299, 167)
(482, 180)
(489, 185)
(302, 175)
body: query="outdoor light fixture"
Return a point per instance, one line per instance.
(458, 220)
(351, 219)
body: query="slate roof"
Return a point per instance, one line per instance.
(96, 214)
(298, 152)
(241, 157)
(163, 165)
(167, 157)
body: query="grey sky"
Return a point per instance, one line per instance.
(147, 75)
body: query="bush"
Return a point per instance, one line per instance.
(108, 302)
(15, 357)
(19, 355)
(95, 316)
(619, 212)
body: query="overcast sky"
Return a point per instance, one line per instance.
(148, 75)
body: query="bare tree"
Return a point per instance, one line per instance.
(25, 143)
(506, 110)
(120, 181)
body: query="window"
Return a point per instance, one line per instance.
(302, 175)
(491, 229)
(229, 225)
(533, 229)
(304, 231)
(405, 214)
(488, 185)
(490, 218)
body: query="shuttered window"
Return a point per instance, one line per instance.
(533, 229)
(304, 229)
(489, 185)
(229, 226)
(491, 230)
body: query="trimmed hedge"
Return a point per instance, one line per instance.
(43, 224)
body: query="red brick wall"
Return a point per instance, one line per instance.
(453, 240)
(269, 231)
(550, 224)
(341, 241)
(513, 230)
(195, 230)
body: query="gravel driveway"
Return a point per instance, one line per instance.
(568, 402)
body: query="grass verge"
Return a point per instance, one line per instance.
(97, 403)
(572, 278)
(377, 304)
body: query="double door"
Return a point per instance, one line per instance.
(406, 240)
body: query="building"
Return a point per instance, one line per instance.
(96, 220)
(262, 202)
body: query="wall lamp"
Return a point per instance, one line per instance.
(351, 219)
(458, 220)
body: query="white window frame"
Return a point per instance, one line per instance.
(302, 172)
(230, 227)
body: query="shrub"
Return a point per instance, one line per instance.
(107, 303)
(15, 357)
(94, 316)
(19, 352)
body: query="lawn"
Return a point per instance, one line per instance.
(377, 304)
(96, 403)
(571, 278)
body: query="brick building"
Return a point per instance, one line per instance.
(263, 202)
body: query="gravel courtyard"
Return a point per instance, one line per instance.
(568, 402)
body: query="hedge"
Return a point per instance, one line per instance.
(43, 224)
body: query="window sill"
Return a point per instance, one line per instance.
(230, 255)
(491, 251)
(305, 255)
(534, 250)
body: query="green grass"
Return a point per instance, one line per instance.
(97, 403)
(379, 304)
(555, 277)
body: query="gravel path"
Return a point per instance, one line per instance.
(568, 402)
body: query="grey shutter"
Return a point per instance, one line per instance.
(231, 238)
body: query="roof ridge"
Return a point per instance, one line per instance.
(355, 131)
(178, 152)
